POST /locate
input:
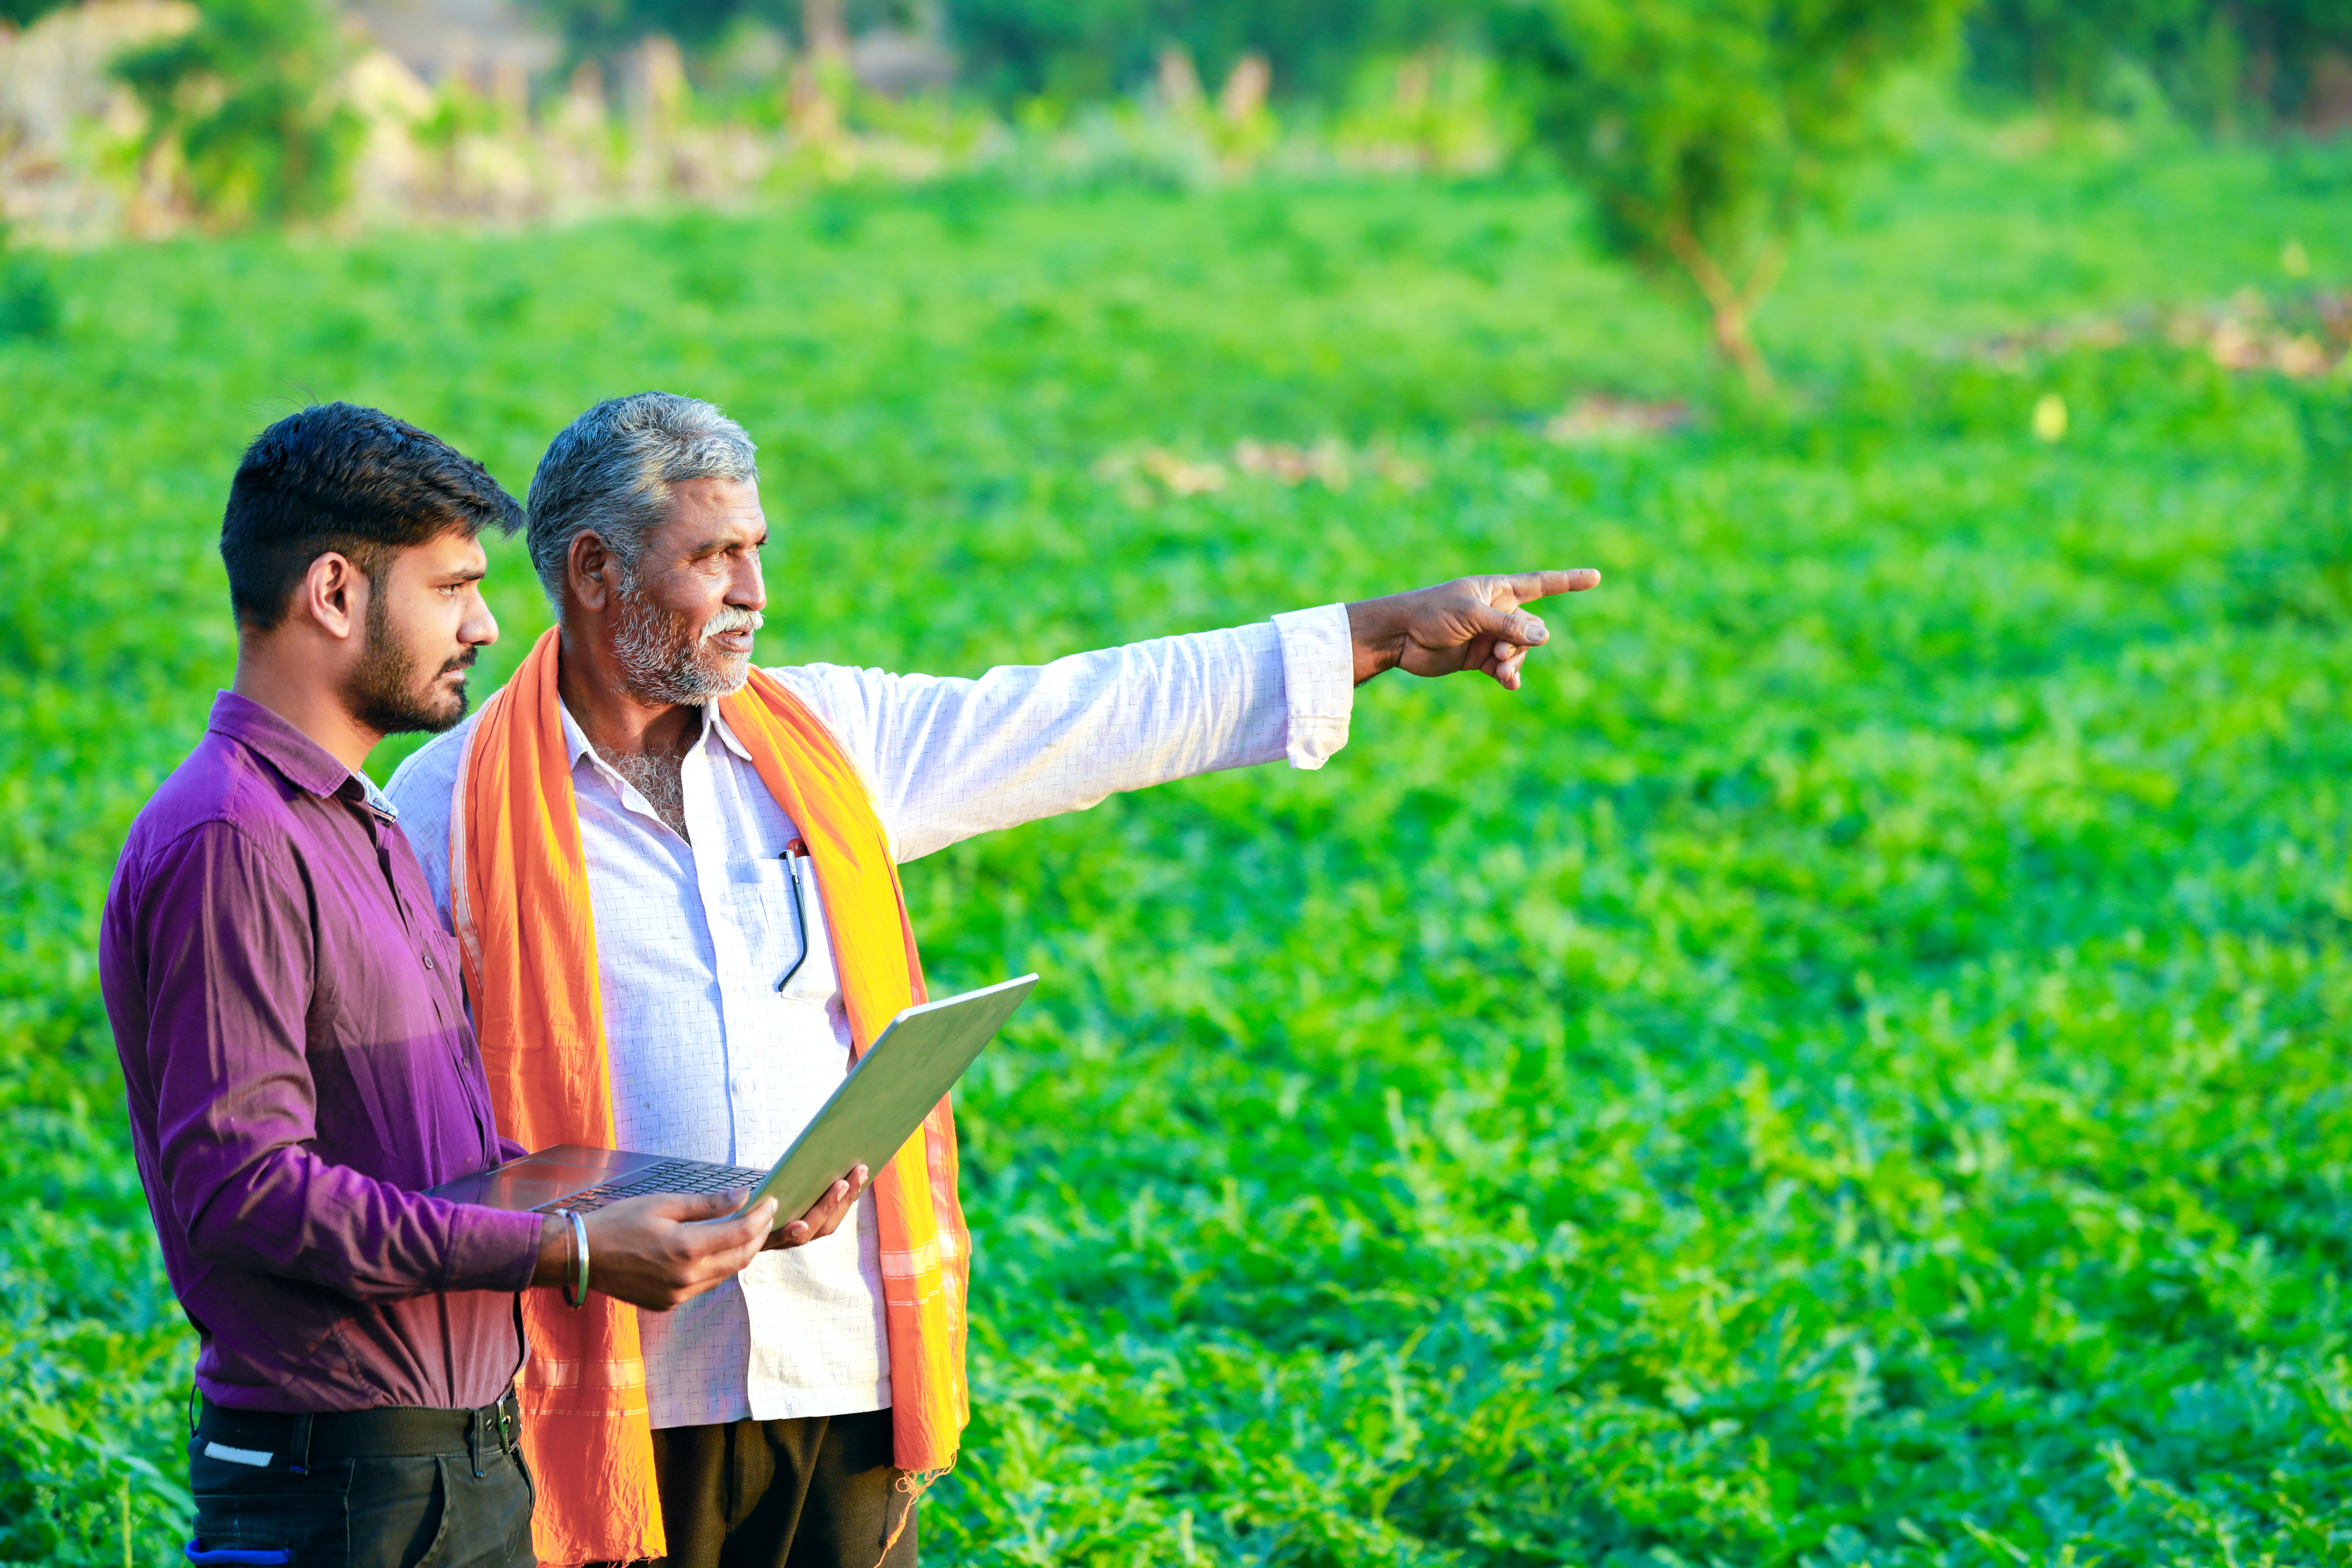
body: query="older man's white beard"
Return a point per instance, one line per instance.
(664, 660)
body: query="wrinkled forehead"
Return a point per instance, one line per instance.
(711, 512)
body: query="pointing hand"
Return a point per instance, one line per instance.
(1470, 623)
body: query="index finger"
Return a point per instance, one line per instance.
(759, 1219)
(1528, 586)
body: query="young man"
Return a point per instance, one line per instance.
(299, 1056)
(735, 832)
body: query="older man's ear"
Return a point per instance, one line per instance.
(587, 572)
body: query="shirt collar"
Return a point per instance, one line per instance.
(577, 746)
(575, 738)
(377, 800)
(726, 732)
(306, 764)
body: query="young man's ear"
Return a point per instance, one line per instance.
(332, 595)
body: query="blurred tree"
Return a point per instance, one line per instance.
(601, 28)
(2299, 58)
(824, 28)
(1075, 49)
(1066, 49)
(597, 28)
(1705, 129)
(2217, 61)
(2061, 51)
(248, 104)
(24, 13)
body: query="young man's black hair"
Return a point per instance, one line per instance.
(357, 482)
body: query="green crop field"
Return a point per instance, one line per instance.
(1849, 1066)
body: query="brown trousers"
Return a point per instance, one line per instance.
(819, 1492)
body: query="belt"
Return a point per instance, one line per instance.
(267, 1440)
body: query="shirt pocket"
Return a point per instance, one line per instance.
(776, 923)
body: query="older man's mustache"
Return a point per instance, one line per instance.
(733, 620)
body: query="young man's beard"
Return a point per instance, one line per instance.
(383, 692)
(665, 659)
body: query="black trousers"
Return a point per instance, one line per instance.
(369, 1489)
(819, 1492)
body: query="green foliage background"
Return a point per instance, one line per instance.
(1848, 1067)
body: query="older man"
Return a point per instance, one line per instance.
(726, 840)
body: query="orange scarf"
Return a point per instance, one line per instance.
(518, 890)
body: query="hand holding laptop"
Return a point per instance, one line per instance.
(667, 1248)
(823, 1216)
(657, 1251)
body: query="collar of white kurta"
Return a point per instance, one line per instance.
(576, 741)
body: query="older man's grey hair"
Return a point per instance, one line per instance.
(609, 473)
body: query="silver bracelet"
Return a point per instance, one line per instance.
(578, 1294)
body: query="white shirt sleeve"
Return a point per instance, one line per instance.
(949, 758)
(423, 790)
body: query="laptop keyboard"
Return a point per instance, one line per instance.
(669, 1176)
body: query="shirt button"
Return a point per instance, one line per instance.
(429, 960)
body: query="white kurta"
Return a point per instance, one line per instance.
(709, 1061)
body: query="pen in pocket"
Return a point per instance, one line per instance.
(796, 854)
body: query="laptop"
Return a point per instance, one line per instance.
(884, 1097)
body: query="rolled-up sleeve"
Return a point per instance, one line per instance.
(228, 985)
(947, 758)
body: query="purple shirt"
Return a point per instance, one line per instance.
(294, 1035)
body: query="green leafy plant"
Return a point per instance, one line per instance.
(244, 109)
(1705, 130)
(28, 295)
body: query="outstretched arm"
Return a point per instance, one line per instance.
(1470, 623)
(949, 758)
